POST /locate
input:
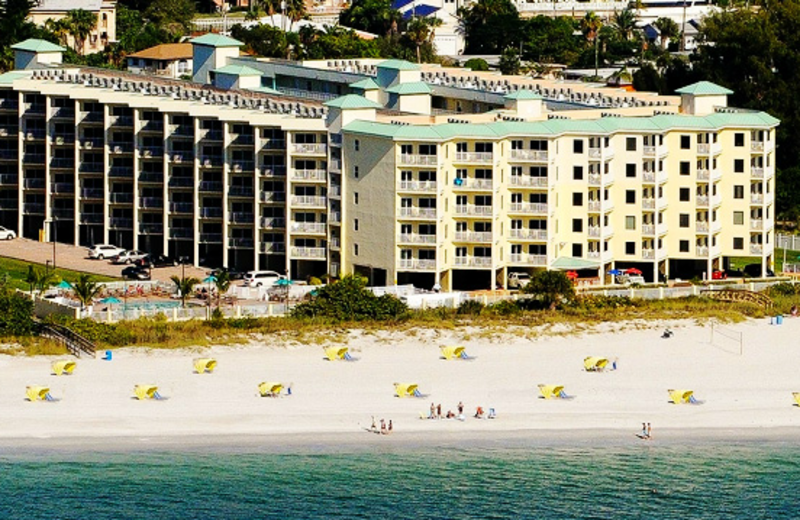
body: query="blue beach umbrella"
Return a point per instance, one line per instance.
(615, 272)
(110, 300)
(210, 279)
(63, 284)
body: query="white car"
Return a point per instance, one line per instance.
(261, 278)
(103, 251)
(7, 234)
(128, 257)
(518, 280)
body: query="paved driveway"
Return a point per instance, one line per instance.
(76, 258)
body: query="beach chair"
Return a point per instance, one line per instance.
(407, 390)
(682, 397)
(553, 392)
(147, 392)
(63, 366)
(38, 393)
(595, 364)
(203, 365)
(454, 353)
(796, 396)
(270, 389)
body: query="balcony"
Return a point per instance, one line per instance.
(92, 193)
(210, 186)
(273, 247)
(756, 224)
(309, 149)
(211, 161)
(210, 238)
(151, 228)
(472, 210)
(211, 212)
(418, 160)
(10, 155)
(426, 213)
(473, 261)
(181, 182)
(417, 264)
(335, 244)
(334, 217)
(33, 158)
(701, 226)
(648, 230)
(152, 126)
(121, 198)
(601, 154)
(539, 235)
(529, 155)
(66, 139)
(309, 201)
(474, 236)
(241, 165)
(33, 208)
(310, 175)
(242, 217)
(62, 188)
(241, 191)
(211, 135)
(37, 183)
(155, 152)
(91, 167)
(414, 238)
(316, 253)
(529, 208)
(273, 171)
(709, 148)
(9, 104)
(121, 121)
(10, 180)
(242, 140)
(151, 203)
(528, 181)
(92, 143)
(757, 198)
(181, 233)
(151, 177)
(34, 109)
(9, 130)
(64, 113)
(63, 213)
(418, 186)
(702, 250)
(335, 191)
(335, 166)
(274, 144)
(118, 149)
(241, 243)
(649, 254)
(120, 223)
(272, 222)
(473, 184)
(91, 218)
(474, 157)
(62, 163)
(526, 259)
(272, 196)
(181, 157)
(185, 208)
(181, 131)
(309, 228)
(121, 171)
(757, 173)
(756, 249)
(91, 117)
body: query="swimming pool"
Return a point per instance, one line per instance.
(150, 306)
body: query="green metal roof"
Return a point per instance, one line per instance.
(554, 127)
(566, 263)
(704, 88)
(398, 65)
(9, 77)
(216, 40)
(34, 45)
(365, 84)
(238, 70)
(352, 101)
(523, 95)
(415, 87)
(265, 90)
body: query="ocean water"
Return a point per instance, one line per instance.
(712, 481)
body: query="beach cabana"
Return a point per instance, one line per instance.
(454, 352)
(338, 353)
(270, 389)
(407, 390)
(553, 392)
(145, 392)
(203, 365)
(63, 366)
(682, 397)
(38, 393)
(595, 364)
(796, 396)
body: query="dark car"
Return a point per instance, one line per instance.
(150, 262)
(232, 273)
(754, 271)
(135, 272)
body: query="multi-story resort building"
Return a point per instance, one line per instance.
(405, 173)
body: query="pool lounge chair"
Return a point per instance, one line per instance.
(339, 354)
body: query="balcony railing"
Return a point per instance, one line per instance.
(272, 196)
(181, 207)
(121, 171)
(62, 187)
(474, 236)
(121, 223)
(424, 186)
(8, 180)
(241, 191)
(335, 217)
(309, 201)
(211, 161)
(153, 151)
(702, 250)
(522, 258)
(242, 217)
(211, 212)
(310, 175)
(468, 209)
(181, 157)
(309, 252)
(121, 198)
(533, 208)
(648, 229)
(241, 242)
(151, 203)
(529, 234)
(648, 254)
(33, 208)
(527, 180)
(92, 143)
(311, 228)
(529, 155)
(272, 222)
(91, 167)
(601, 153)
(274, 144)
(418, 160)
(475, 157)
(64, 213)
(181, 233)
(414, 238)
(474, 184)
(757, 173)
(91, 218)
(36, 183)
(310, 148)
(152, 126)
(211, 135)
(151, 177)
(239, 165)
(151, 228)
(243, 140)
(273, 171)
(756, 249)
(756, 225)
(121, 121)
(757, 198)
(211, 238)
(210, 186)
(273, 247)
(757, 146)
(701, 226)
(417, 264)
(474, 261)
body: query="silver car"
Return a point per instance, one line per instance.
(7, 234)
(128, 257)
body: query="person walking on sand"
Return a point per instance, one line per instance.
(433, 412)
(389, 430)
(649, 432)
(643, 435)
(374, 426)
(460, 408)
(439, 411)
(383, 427)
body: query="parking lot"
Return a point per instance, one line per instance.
(76, 258)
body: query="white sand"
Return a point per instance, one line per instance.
(740, 392)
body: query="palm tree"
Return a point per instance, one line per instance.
(590, 26)
(421, 30)
(38, 280)
(667, 30)
(80, 25)
(223, 283)
(294, 10)
(185, 286)
(59, 28)
(624, 23)
(86, 290)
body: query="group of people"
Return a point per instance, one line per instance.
(647, 433)
(436, 412)
(385, 429)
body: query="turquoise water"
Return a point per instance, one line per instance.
(149, 306)
(717, 482)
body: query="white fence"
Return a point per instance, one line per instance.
(788, 242)
(114, 313)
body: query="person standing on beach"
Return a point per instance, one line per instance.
(383, 427)
(643, 435)
(390, 427)
(460, 408)
(649, 432)
(433, 412)
(439, 411)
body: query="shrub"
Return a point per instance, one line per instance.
(782, 289)
(550, 287)
(470, 307)
(476, 64)
(16, 313)
(505, 308)
(350, 300)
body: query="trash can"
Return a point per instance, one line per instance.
(779, 319)
(108, 355)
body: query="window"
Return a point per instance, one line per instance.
(738, 218)
(630, 248)
(355, 249)
(738, 243)
(355, 224)
(577, 173)
(685, 168)
(355, 198)
(684, 246)
(683, 220)
(427, 149)
(355, 172)
(738, 139)
(630, 170)
(357, 144)
(630, 144)
(684, 195)
(577, 250)
(630, 196)
(577, 146)
(686, 142)
(738, 166)
(577, 199)
(577, 225)
(738, 192)
(630, 222)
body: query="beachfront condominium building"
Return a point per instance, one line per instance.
(404, 173)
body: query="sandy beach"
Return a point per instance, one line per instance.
(749, 393)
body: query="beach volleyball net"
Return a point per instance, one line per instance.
(727, 339)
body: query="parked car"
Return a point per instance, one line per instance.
(261, 278)
(754, 271)
(518, 280)
(7, 234)
(232, 273)
(149, 262)
(128, 257)
(134, 272)
(103, 251)
(716, 274)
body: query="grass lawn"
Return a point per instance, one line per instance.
(17, 271)
(792, 257)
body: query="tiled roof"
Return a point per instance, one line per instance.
(166, 52)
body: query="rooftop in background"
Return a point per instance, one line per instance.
(704, 88)
(34, 45)
(165, 52)
(68, 5)
(216, 40)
